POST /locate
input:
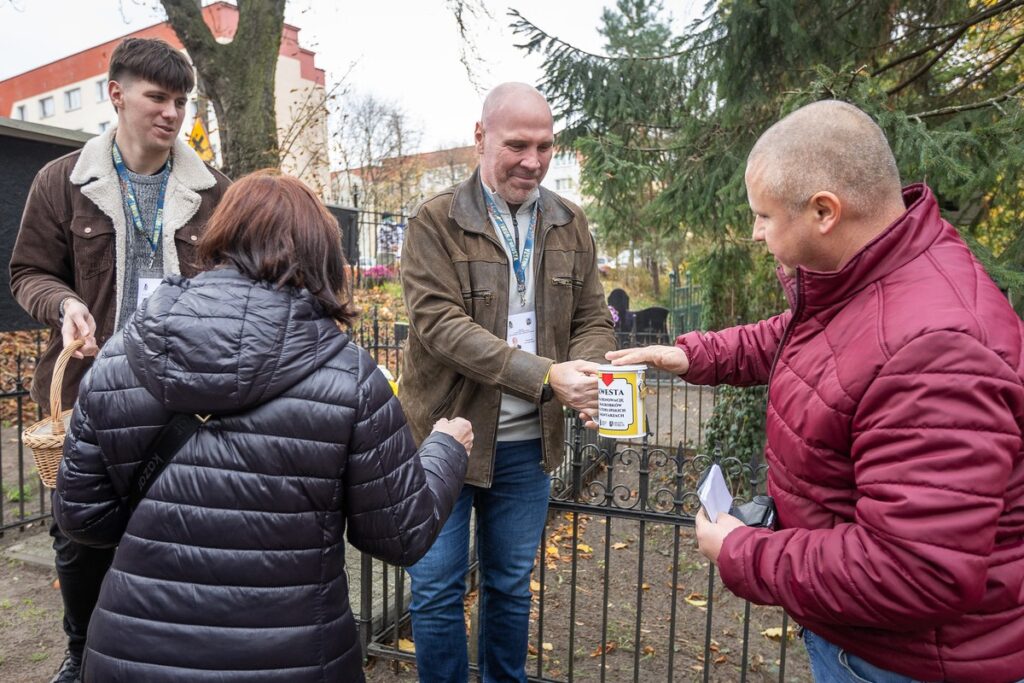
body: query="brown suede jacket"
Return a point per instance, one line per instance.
(72, 239)
(455, 281)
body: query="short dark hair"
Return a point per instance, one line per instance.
(153, 60)
(272, 228)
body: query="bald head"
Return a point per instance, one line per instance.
(514, 138)
(828, 146)
(510, 99)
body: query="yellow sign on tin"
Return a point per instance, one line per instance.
(620, 401)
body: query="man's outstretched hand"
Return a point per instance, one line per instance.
(668, 358)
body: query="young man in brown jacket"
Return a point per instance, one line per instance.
(507, 316)
(102, 226)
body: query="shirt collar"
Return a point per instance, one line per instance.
(502, 205)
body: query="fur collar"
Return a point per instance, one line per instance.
(94, 172)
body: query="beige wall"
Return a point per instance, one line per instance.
(301, 120)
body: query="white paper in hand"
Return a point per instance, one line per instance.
(714, 494)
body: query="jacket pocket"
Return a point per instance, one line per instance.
(567, 281)
(92, 245)
(449, 398)
(477, 300)
(186, 241)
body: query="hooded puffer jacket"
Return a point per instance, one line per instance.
(895, 414)
(232, 568)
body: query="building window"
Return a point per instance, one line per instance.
(20, 112)
(563, 184)
(101, 90)
(72, 99)
(46, 107)
(565, 159)
(104, 125)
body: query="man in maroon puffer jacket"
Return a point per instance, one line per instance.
(895, 415)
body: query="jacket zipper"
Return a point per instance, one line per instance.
(539, 309)
(797, 310)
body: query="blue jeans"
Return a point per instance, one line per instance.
(510, 517)
(832, 664)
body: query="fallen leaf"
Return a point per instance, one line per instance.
(776, 633)
(584, 548)
(619, 546)
(406, 645)
(646, 586)
(606, 648)
(720, 660)
(535, 586)
(648, 650)
(552, 551)
(696, 599)
(548, 647)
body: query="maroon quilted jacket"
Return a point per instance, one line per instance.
(895, 414)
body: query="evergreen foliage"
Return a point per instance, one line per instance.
(665, 121)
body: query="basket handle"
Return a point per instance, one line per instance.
(57, 383)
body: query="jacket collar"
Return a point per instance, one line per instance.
(94, 172)
(469, 211)
(904, 240)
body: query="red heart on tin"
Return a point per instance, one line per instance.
(607, 377)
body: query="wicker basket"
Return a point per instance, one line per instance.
(46, 438)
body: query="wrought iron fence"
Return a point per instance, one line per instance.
(620, 592)
(684, 304)
(379, 239)
(23, 498)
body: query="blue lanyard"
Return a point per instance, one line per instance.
(520, 262)
(133, 205)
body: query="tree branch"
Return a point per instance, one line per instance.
(953, 40)
(524, 25)
(991, 102)
(999, 8)
(991, 67)
(186, 18)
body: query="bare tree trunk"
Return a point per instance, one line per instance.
(239, 78)
(653, 269)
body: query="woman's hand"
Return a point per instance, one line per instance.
(459, 429)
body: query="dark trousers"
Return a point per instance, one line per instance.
(81, 570)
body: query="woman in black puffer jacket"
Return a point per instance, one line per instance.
(232, 566)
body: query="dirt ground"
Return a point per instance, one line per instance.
(31, 638)
(615, 614)
(600, 602)
(31, 643)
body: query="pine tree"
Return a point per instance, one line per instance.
(665, 122)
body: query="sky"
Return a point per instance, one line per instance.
(403, 51)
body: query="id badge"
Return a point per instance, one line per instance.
(147, 285)
(522, 332)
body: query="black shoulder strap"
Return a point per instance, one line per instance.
(168, 442)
